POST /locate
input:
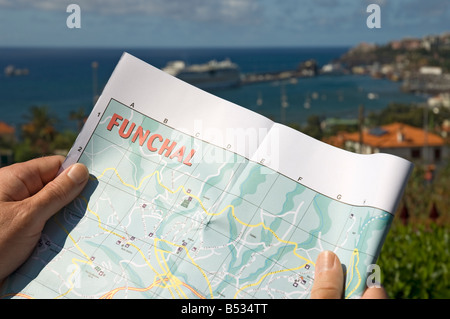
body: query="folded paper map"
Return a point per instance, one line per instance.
(192, 196)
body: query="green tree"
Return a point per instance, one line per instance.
(37, 134)
(398, 112)
(313, 127)
(79, 116)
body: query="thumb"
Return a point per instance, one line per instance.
(59, 192)
(328, 277)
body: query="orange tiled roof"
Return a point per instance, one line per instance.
(6, 129)
(387, 136)
(336, 140)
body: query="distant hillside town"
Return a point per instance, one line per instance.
(422, 64)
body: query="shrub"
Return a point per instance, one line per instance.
(415, 262)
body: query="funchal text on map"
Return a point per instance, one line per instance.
(161, 219)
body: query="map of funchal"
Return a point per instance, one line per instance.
(191, 196)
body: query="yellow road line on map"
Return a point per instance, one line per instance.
(276, 236)
(173, 280)
(110, 294)
(268, 274)
(192, 260)
(165, 268)
(74, 260)
(55, 219)
(353, 265)
(17, 295)
(98, 219)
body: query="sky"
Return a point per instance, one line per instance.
(216, 23)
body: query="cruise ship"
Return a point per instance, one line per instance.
(211, 75)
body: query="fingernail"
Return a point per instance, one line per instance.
(325, 261)
(78, 173)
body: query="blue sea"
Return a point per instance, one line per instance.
(62, 79)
